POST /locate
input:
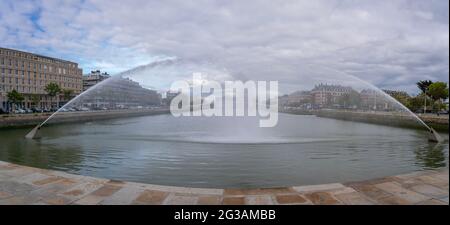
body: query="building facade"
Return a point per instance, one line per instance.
(326, 95)
(372, 100)
(93, 78)
(118, 93)
(29, 74)
(299, 98)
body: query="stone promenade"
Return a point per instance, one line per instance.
(26, 185)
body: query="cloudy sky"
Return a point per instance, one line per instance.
(391, 44)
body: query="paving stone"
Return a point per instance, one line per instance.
(30, 178)
(258, 191)
(176, 199)
(322, 198)
(15, 188)
(20, 200)
(209, 200)
(106, 190)
(441, 176)
(259, 200)
(320, 187)
(80, 190)
(233, 201)
(78, 178)
(353, 198)
(432, 202)
(371, 191)
(432, 180)
(56, 200)
(393, 200)
(411, 175)
(4, 177)
(150, 197)
(4, 195)
(345, 190)
(430, 190)
(19, 172)
(90, 200)
(291, 199)
(181, 190)
(444, 199)
(398, 191)
(123, 196)
(47, 181)
(26, 185)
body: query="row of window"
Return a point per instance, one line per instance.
(30, 81)
(35, 57)
(23, 89)
(37, 67)
(11, 72)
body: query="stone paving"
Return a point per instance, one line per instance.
(25, 185)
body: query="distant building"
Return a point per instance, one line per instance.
(30, 73)
(299, 98)
(325, 95)
(169, 96)
(373, 100)
(93, 78)
(119, 93)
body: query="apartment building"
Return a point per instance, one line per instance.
(29, 74)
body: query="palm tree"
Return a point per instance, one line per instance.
(15, 98)
(53, 90)
(423, 85)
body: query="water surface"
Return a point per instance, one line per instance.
(226, 152)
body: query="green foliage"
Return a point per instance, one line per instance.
(15, 97)
(68, 93)
(423, 85)
(400, 96)
(416, 103)
(438, 91)
(36, 99)
(52, 89)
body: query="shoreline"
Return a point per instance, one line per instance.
(31, 120)
(27, 185)
(440, 123)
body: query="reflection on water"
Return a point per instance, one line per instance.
(227, 152)
(433, 157)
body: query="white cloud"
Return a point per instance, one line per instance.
(389, 43)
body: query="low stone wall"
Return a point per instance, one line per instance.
(439, 123)
(25, 120)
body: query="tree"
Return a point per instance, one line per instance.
(438, 92)
(35, 99)
(416, 103)
(67, 93)
(53, 90)
(424, 85)
(15, 98)
(400, 96)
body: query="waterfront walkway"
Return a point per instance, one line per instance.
(26, 185)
